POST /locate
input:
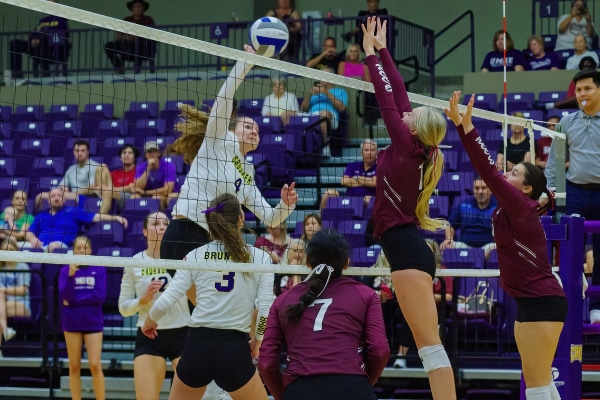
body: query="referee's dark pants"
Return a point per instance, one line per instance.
(585, 201)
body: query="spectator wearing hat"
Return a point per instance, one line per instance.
(127, 47)
(124, 178)
(156, 177)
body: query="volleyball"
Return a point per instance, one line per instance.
(268, 36)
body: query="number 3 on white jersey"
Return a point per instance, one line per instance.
(325, 303)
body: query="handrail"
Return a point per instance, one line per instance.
(470, 36)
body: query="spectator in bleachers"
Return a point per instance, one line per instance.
(494, 60)
(581, 50)
(312, 224)
(538, 59)
(140, 287)
(275, 242)
(280, 103)
(371, 11)
(123, 179)
(353, 67)
(326, 101)
(38, 46)
(86, 177)
(542, 145)
(156, 177)
(82, 291)
(295, 254)
(126, 46)
(328, 58)
(17, 223)
(517, 148)
(474, 219)
(58, 226)
(359, 177)
(578, 22)
(287, 11)
(14, 290)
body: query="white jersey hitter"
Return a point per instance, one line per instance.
(221, 166)
(225, 299)
(133, 287)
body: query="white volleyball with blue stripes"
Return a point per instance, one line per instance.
(268, 36)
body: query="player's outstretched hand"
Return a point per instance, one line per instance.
(249, 49)
(289, 195)
(456, 116)
(369, 36)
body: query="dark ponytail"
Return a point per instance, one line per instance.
(541, 210)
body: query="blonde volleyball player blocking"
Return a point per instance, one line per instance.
(216, 347)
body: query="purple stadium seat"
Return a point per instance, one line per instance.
(364, 256)
(518, 101)
(178, 161)
(550, 97)
(6, 147)
(64, 129)
(151, 107)
(106, 234)
(148, 127)
(5, 113)
(7, 167)
(450, 160)
(106, 109)
(172, 104)
(135, 237)
(274, 148)
(536, 115)
(207, 105)
(333, 216)
(34, 148)
(563, 56)
(469, 258)
(251, 107)
(549, 42)
(68, 111)
(24, 113)
(354, 231)
(9, 185)
(5, 130)
(115, 252)
(30, 129)
(455, 183)
(272, 123)
(47, 166)
(44, 184)
(112, 146)
(356, 204)
(560, 113)
(108, 128)
(439, 206)
(492, 261)
(138, 209)
(92, 204)
(163, 141)
(171, 112)
(485, 101)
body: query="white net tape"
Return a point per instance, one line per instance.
(103, 21)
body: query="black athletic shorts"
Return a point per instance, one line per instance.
(327, 387)
(168, 343)
(216, 354)
(405, 248)
(181, 237)
(542, 309)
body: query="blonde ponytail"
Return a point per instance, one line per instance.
(192, 129)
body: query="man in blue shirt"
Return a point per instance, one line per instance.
(474, 219)
(57, 227)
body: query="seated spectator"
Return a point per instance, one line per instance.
(312, 224)
(581, 50)
(538, 59)
(329, 57)
(58, 226)
(570, 101)
(578, 22)
(280, 103)
(359, 177)
(542, 145)
(156, 177)
(295, 254)
(16, 218)
(38, 46)
(123, 179)
(326, 101)
(290, 16)
(517, 148)
(127, 47)
(474, 219)
(371, 11)
(275, 242)
(87, 177)
(494, 60)
(14, 290)
(353, 67)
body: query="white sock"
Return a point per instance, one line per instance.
(554, 391)
(538, 393)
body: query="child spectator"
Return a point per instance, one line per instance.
(17, 223)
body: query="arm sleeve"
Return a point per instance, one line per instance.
(482, 161)
(455, 217)
(375, 339)
(293, 103)
(84, 216)
(550, 170)
(181, 282)
(268, 362)
(129, 304)
(400, 94)
(266, 106)
(397, 130)
(218, 122)
(35, 226)
(264, 299)
(486, 61)
(271, 216)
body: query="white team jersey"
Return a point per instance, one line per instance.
(225, 300)
(134, 283)
(220, 167)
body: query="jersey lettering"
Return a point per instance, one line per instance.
(216, 255)
(325, 303)
(237, 162)
(228, 285)
(165, 281)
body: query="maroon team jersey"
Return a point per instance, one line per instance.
(331, 337)
(518, 233)
(399, 165)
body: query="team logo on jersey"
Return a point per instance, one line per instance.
(237, 162)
